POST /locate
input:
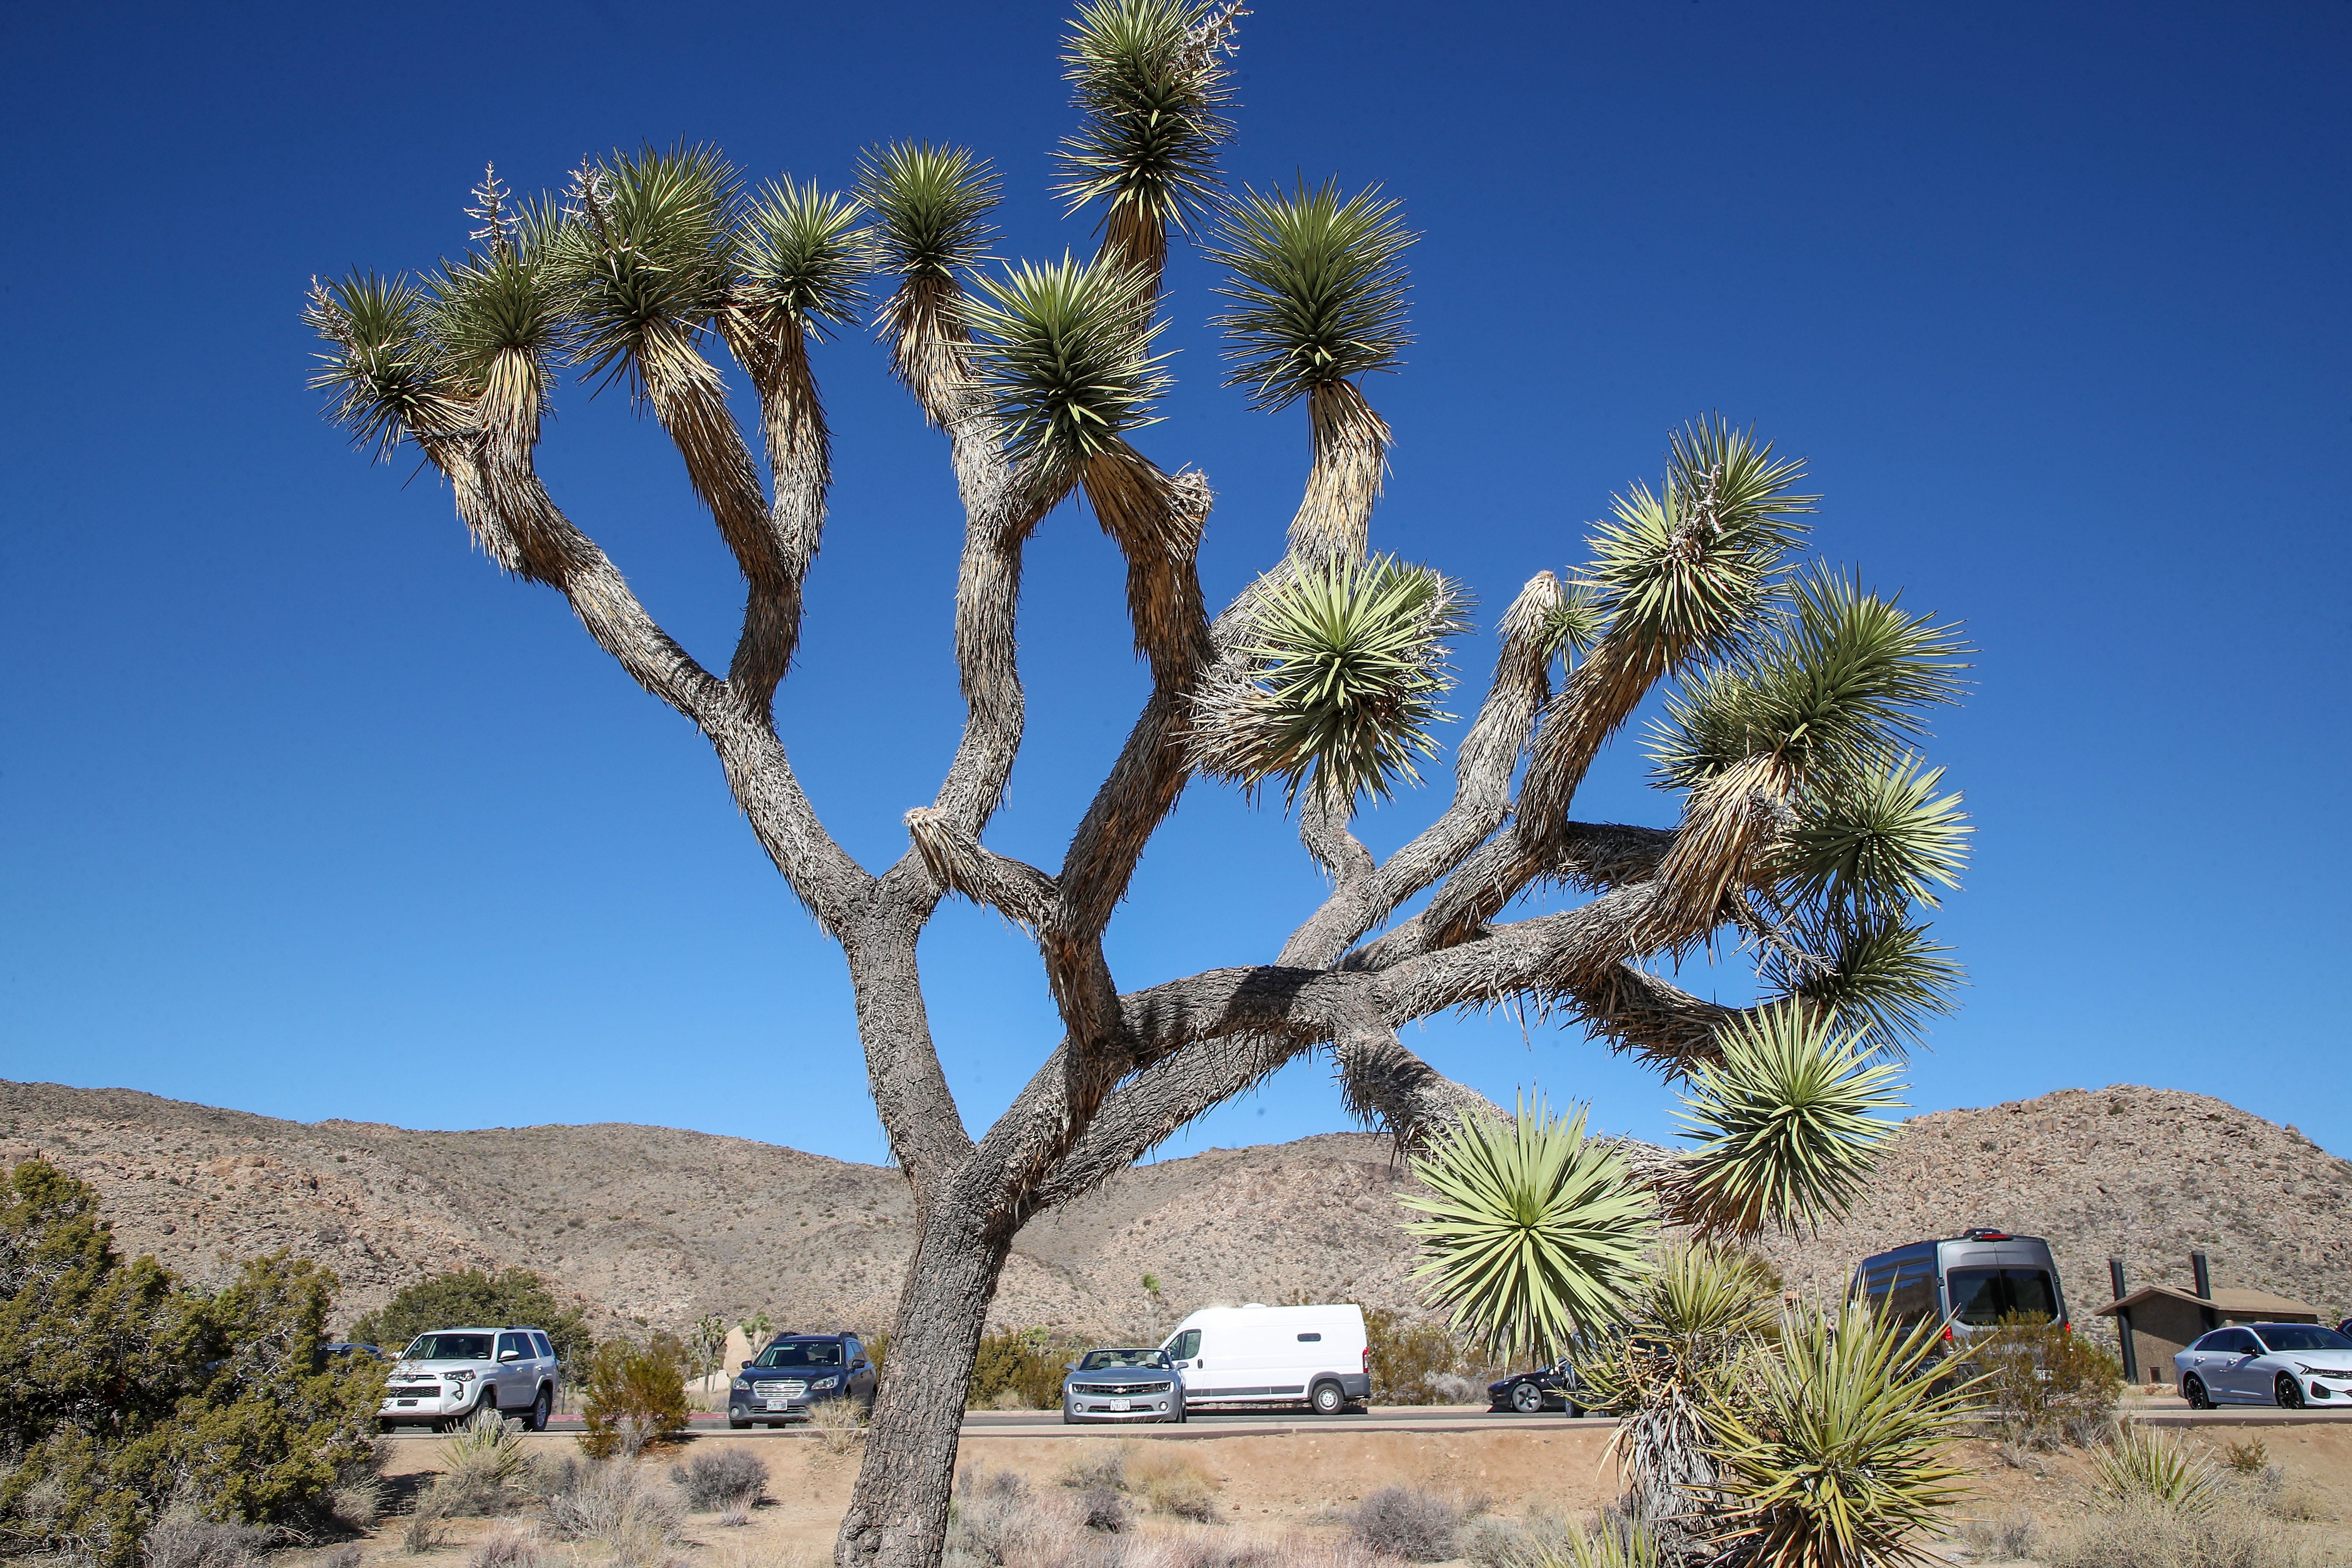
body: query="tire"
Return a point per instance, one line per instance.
(1527, 1399)
(1068, 1419)
(540, 1409)
(2192, 1389)
(1326, 1399)
(1575, 1411)
(2287, 1392)
(738, 1426)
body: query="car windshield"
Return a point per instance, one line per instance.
(802, 1353)
(450, 1347)
(2301, 1337)
(1983, 1297)
(1095, 1361)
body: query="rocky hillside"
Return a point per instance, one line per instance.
(651, 1226)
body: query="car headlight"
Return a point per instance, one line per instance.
(458, 1376)
(741, 1384)
(824, 1382)
(2338, 1372)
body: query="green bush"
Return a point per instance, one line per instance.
(1027, 1363)
(1413, 1358)
(122, 1391)
(637, 1395)
(2043, 1386)
(468, 1298)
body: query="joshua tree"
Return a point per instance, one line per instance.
(1802, 821)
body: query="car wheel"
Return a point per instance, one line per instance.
(540, 1409)
(738, 1426)
(2192, 1389)
(1068, 1419)
(1574, 1410)
(1527, 1399)
(2289, 1392)
(1326, 1399)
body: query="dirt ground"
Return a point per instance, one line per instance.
(1302, 1481)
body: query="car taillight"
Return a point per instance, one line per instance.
(1368, 1358)
(1947, 1333)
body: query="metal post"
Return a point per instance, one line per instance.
(2123, 1322)
(2204, 1277)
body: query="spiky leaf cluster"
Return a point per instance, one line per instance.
(930, 208)
(1064, 354)
(1690, 569)
(1346, 670)
(1877, 840)
(383, 374)
(650, 245)
(1833, 696)
(1833, 1453)
(1322, 286)
(1532, 1231)
(1149, 77)
(803, 255)
(497, 316)
(1877, 969)
(2135, 1466)
(1784, 1123)
(1572, 626)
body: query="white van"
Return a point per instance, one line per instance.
(1314, 1356)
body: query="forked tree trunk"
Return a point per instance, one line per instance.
(898, 1511)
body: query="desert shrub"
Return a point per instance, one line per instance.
(637, 1395)
(129, 1393)
(479, 1468)
(2145, 1533)
(1168, 1477)
(425, 1529)
(714, 1481)
(1102, 1469)
(2136, 1467)
(509, 1548)
(470, 1297)
(2247, 1458)
(1614, 1541)
(357, 1503)
(1831, 1448)
(183, 1538)
(613, 1504)
(2016, 1539)
(1026, 1363)
(347, 1555)
(1405, 1521)
(994, 1518)
(1415, 1359)
(1107, 1511)
(2041, 1386)
(839, 1425)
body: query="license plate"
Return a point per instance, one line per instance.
(1118, 1406)
(406, 1402)
(780, 1405)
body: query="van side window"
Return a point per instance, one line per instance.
(1186, 1345)
(1310, 1339)
(546, 1351)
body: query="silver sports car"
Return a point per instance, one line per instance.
(1123, 1385)
(2293, 1364)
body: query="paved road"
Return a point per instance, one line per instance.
(1047, 1423)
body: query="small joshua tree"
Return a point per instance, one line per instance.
(1807, 831)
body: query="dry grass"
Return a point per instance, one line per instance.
(2144, 1533)
(1405, 1522)
(181, 1539)
(999, 1521)
(2011, 1539)
(839, 1425)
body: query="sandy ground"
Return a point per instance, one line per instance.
(1287, 1483)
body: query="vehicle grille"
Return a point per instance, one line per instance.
(1100, 1390)
(420, 1386)
(790, 1388)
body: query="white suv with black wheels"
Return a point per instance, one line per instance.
(448, 1376)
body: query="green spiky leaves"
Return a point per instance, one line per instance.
(1877, 839)
(1688, 569)
(1532, 1230)
(1878, 970)
(802, 254)
(650, 252)
(1784, 1123)
(383, 374)
(1321, 286)
(930, 208)
(1343, 680)
(1149, 77)
(1065, 355)
(1834, 1452)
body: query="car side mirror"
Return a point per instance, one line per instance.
(511, 1355)
(744, 1367)
(860, 1364)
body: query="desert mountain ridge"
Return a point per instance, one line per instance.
(655, 1227)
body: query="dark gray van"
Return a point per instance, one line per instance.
(1969, 1282)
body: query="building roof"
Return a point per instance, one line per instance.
(2235, 1304)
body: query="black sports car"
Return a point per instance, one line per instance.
(1549, 1387)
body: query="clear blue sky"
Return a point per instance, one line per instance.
(305, 811)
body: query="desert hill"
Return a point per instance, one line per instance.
(649, 1224)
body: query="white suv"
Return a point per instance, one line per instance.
(449, 1375)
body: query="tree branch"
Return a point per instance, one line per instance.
(775, 559)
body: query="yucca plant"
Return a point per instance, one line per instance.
(1339, 687)
(1785, 1124)
(1834, 1451)
(2135, 1466)
(1809, 826)
(1532, 1230)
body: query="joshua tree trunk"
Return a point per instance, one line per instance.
(1321, 676)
